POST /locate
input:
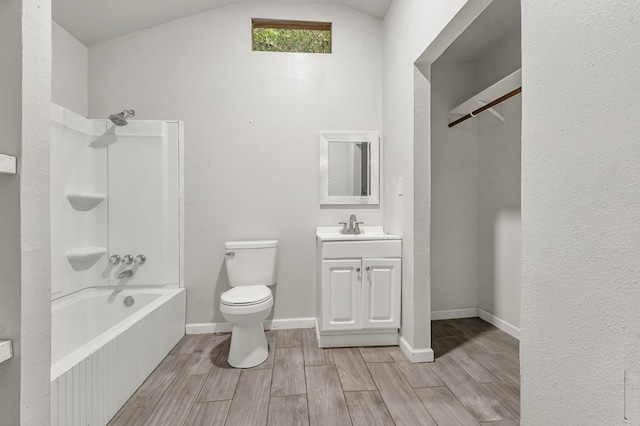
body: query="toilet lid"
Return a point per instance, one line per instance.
(246, 295)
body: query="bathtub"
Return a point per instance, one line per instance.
(102, 350)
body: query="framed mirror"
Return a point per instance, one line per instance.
(349, 168)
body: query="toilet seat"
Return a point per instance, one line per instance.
(246, 295)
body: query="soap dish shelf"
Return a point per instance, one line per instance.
(85, 201)
(86, 254)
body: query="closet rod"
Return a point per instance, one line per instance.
(487, 106)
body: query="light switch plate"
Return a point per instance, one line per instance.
(399, 187)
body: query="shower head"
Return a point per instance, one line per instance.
(120, 119)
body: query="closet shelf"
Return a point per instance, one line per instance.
(85, 201)
(498, 92)
(7, 164)
(86, 254)
(6, 350)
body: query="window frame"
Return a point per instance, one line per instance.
(287, 24)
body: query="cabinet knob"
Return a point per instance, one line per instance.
(368, 268)
(357, 269)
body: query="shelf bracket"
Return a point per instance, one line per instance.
(494, 112)
(6, 350)
(7, 164)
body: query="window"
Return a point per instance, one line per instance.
(272, 35)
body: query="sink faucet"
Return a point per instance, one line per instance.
(354, 225)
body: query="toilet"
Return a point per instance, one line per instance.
(252, 266)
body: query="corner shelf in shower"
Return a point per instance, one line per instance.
(6, 350)
(86, 254)
(85, 201)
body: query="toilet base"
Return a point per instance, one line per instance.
(248, 346)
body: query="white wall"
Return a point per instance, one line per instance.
(35, 268)
(580, 202)
(10, 144)
(409, 27)
(454, 190)
(251, 132)
(499, 224)
(499, 61)
(69, 71)
(24, 230)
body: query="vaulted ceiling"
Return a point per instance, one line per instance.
(92, 21)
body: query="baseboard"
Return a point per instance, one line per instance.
(477, 312)
(205, 328)
(289, 323)
(350, 340)
(421, 355)
(416, 355)
(276, 324)
(500, 323)
(454, 313)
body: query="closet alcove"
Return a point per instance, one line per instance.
(475, 172)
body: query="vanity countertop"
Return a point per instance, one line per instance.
(367, 233)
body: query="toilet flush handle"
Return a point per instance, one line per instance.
(230, 253)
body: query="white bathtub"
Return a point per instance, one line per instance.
(102, 350)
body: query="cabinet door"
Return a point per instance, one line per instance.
(381, 289)
(341, 294)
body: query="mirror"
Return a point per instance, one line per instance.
(349, 168)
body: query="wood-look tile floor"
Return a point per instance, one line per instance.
(475, 380)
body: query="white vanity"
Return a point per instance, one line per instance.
(358, 287)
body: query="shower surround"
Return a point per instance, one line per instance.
(116, 193)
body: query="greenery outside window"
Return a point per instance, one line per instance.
(276, 35)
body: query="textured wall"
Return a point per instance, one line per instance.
(69, 71)
(35, 213)
(454, 190)
(580, 213)
(251, 123)
(499, 224)
(409, 27)
(10, 121)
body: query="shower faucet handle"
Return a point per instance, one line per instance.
(140, 259)
(128, 259)
(115, 259)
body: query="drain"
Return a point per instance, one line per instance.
(128, 301)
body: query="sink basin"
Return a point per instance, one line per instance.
(332, 233)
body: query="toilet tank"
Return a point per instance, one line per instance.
(251, 262)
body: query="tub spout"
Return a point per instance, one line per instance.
(125, 274)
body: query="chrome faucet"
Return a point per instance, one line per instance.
(354, 225)
(125, 274)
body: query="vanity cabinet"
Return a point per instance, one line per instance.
(360, 294)
(358, 291)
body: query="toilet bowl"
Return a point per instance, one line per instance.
(251, 267)
(248, 342)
